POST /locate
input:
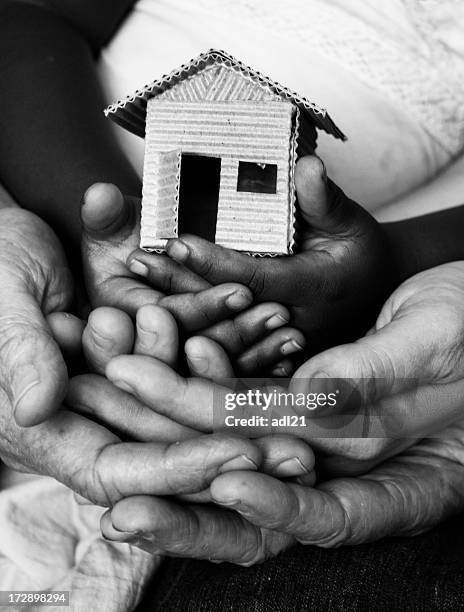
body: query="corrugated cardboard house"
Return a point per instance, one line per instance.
(221, 143)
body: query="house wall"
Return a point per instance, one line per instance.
(240, 131)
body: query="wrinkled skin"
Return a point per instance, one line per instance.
(418, 337)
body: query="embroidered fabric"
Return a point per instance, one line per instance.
(410, 50)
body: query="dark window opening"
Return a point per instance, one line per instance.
(257, 178)
(200, 178)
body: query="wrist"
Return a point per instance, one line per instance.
(404, 256)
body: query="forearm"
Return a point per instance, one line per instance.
(54, 139)
(427, 241)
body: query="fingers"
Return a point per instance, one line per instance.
(109, 333)
(165, 274)
(309, 515)
(217, 265)
(67, 331)
(284, 368)
(32, 369)
(405, 496)
(287, 457)
(195, 311)
(97, 398)
(379, 365)
(157, 335)
(238, 334)
(172, 469)
(124, 293)
(97, 465)
(266, 353)
(322, 204)
(207, 359)
(111, 232)
(160, 525)
(187, 401)
(106, 213)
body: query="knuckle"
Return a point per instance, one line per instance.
(257, 280)
(97, 482)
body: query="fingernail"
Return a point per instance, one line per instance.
(239, 463)
(238, 300)
(291, 346)
(291, 467)
(178, 250)
(126, 533)
(276, 321)
(17, 399)
(139, 268)
(121, 384)
(280, 371)
(199, 365)
(228, 502)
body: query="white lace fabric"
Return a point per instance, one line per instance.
(410, 50)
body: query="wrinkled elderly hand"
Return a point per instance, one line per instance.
(96, 464)
(409, 370)
(111, 228)
(34, 282)
(261, 516)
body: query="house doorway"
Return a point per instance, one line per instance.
(200, 178)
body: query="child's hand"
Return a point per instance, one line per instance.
(111, 233)
(333, 287)
(35, 281)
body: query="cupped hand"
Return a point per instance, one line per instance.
(333, 285)
(109, 333)
(401, 382)
(94, 462)
(35, 281)
(409, 378)
(111, 228)
(261, 516)
(406, 376)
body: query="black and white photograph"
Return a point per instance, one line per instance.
(232, 305)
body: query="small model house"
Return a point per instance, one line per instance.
(221, 143)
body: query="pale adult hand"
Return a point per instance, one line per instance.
(411, 367)
(94, 462)
(261, 516)
(35, 282)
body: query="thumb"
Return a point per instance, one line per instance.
(32, 370)
(321, 203)
(391, 360)
(106, 213)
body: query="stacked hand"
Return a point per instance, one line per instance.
(92, 460)
(260, 514)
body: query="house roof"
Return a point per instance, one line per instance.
(130, 113)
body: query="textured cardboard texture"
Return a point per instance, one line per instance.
(130, 113)
(216, 107)
(240, 131)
